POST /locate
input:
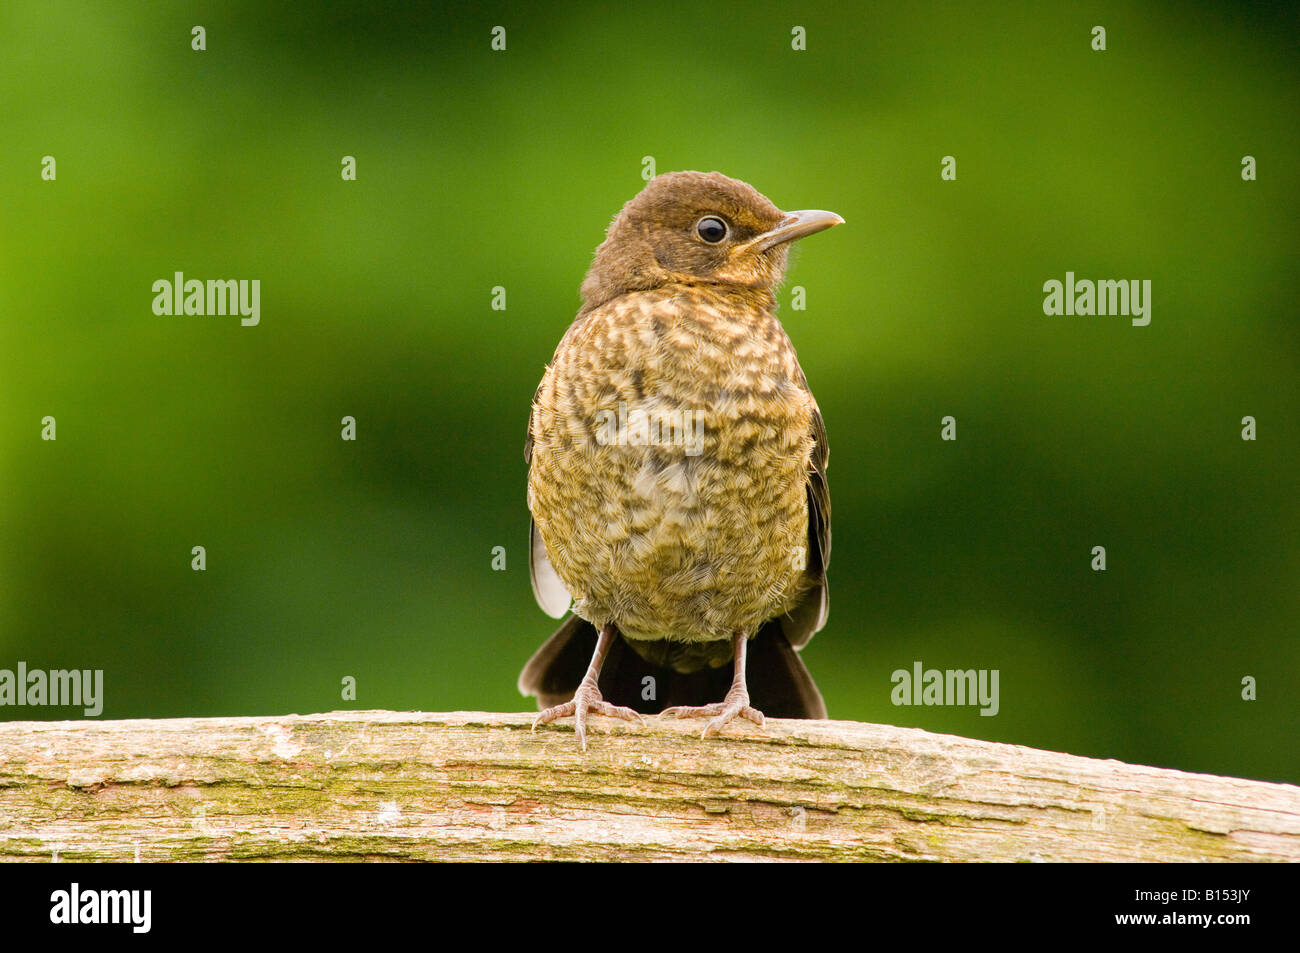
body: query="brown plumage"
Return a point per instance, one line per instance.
(677, 478)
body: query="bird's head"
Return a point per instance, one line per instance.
(693, 228)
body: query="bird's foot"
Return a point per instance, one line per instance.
(735, 705)
(586, 700)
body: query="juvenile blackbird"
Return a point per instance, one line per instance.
(677, 472)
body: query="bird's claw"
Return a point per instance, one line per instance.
(735, 705)
(586, 700)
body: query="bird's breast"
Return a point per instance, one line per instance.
(671, 442)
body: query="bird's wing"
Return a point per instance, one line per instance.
(528, 441)
(807, 618)
(548, 588)
(819, 495)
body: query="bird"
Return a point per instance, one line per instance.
(680, 513)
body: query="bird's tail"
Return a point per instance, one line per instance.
(779, 683)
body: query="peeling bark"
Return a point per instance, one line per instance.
(481, 786)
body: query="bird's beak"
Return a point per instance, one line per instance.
(795, 225)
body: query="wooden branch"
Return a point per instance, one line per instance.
(476, 786)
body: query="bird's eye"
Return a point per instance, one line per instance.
(711, 229)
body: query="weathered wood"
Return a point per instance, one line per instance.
(471, 785)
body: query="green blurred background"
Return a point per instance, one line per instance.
(479, 168)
